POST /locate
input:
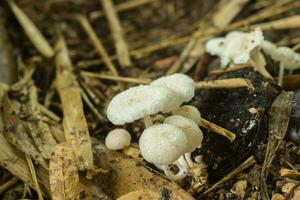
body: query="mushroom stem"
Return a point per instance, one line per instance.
(188, 159)
(280, 75)
(174, 177)
(148, 121)
(217, 129)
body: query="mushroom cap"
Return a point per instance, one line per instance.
(190, 128)
(239, 45)
(268, 47)
(117, 139)
(162, 144)
(180, 84)
(140, 101)
(287, 56)
(215, 46)
(190, 112)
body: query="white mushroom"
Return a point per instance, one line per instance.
(192, 131)
(117, 139)
(190, 112)
(268, 47)
(162, 145)
(181, 84)
(288, 59)
(139, 102)
(240, 48)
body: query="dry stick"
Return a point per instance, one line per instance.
(32, 32)
(34, 178)
(284, 23)
(74, 122)
(246, 164)
(117, 33)
(122, 7)
(97, 43)
(289, 173)
(226, 83)
(8, 184)
(217, 129)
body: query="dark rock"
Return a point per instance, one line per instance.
(233, 109)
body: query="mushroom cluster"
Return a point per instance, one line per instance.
(172, 141)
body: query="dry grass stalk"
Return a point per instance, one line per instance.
(284, 23)
(63, 174)
(97, 43)
(74, 122)
(246, 164)
(117, 33)
(32, 32)
(117, 78)
(8, 184)
(34, 178)
(122, 7)
(217, 129)
(290, 173)
(226, 83)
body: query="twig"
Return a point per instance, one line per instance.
(117, 78)
(32, 31)
(97, 43)
(289, 173)
(246, 164)
(34, 178)
(217, 129)
(284, 23)
(117, 33)
(122, 7)
(226, 83)
(8, 184)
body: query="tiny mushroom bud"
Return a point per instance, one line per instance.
(182, 85)
(117, 139)
(190, 112)
(268, 47)
(192, 131)
(162, 145)
(139, 102)
(215, 46)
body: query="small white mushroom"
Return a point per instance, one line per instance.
(287, 58)
(117, 139)
(190, 112)
(181, 84)
(162, 145)
(192, 131)
(240, 48)
(268, 47)
(139, 102)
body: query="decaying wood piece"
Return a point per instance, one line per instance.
(16, 133)
(117, 33)
(74, 122)
(63, 174)
(14, 161)
(279, 116)
(129, 175)
(32, 32)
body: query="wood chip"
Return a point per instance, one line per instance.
(63, 174)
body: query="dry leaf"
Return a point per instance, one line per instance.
(141, 195)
